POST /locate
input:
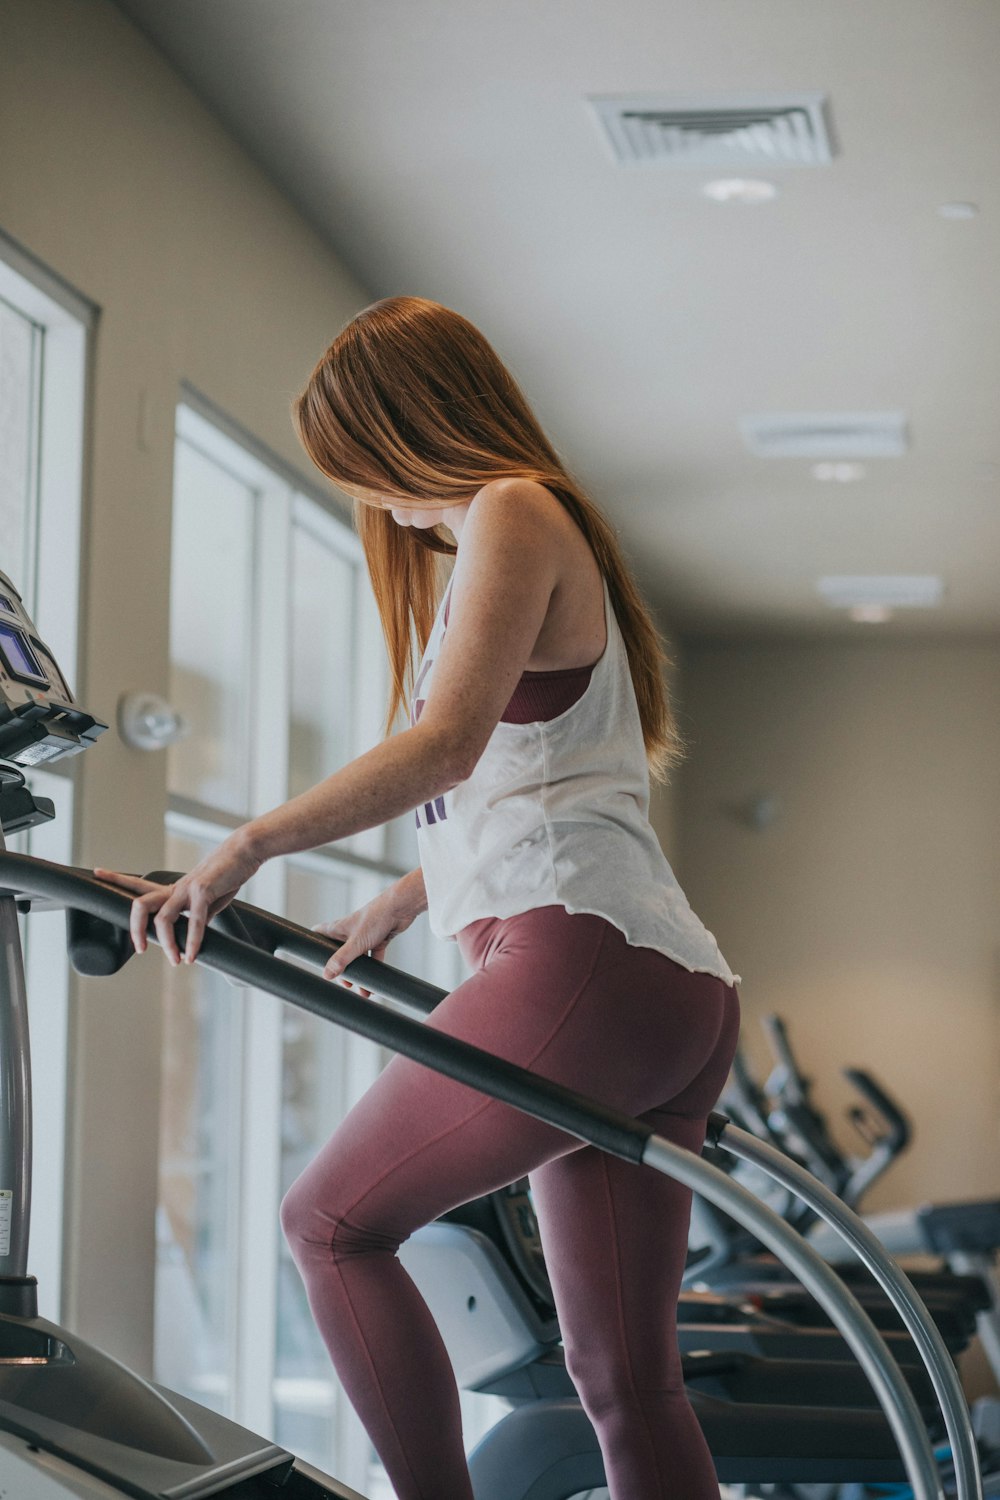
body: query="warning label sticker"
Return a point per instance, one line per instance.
(6, 1211)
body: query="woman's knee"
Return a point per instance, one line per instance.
(313, 1218)
(298, 1216)
(607, 1379)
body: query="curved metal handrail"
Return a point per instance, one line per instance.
(888, 1274)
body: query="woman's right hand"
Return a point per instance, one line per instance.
(370, 929)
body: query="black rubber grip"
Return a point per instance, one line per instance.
(96, 947)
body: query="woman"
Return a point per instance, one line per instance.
(534, 715)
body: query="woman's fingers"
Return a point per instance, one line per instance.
(342, 930)
(135, 885)
(144, 908)
(150, 903)
(197, 919)
(378, 953)
(349, 949)
(352, 948)
(205, 890)
(178, 898)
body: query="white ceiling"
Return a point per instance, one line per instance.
(445, 148)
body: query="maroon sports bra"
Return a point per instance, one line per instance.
(546, 695)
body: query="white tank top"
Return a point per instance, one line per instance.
(555, 813)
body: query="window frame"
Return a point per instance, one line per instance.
(283, 501)
(56, 497)
(52, 590)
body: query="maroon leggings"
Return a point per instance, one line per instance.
(567, 997)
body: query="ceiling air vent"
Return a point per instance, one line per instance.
(877, 434)
(764, 130)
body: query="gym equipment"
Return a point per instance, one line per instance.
(40, 721)
(783, 1113)
(252, 959)
(73, 1421)
(966, 1236)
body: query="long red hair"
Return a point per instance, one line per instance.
(410, 402)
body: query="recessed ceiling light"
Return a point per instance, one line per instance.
(842, 473)
(740, 190)
(870, 614)
(959, 210)
(884, 591)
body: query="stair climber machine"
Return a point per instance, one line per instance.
(729, 1263)
(965, 1236)
(76, 1423)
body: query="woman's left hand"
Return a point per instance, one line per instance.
(201, 894)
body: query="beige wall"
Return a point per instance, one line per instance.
(663, 795)
(868, 912)
(117, 179)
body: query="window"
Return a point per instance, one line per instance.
(20, 368)
(277, 664)
(44, 329)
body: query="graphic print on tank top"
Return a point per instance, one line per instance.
(435, 811)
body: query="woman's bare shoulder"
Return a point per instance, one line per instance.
(527, 510)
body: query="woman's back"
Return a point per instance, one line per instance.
(555, 811)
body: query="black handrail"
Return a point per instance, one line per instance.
(269, 932)
(609, 1129)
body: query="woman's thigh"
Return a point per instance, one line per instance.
(561, 995)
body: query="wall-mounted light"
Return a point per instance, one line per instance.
(148, 722)
(758, 811)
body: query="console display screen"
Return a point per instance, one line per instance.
(19, 658)
(56, 680)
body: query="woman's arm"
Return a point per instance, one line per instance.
(414, 766)
(504, 579)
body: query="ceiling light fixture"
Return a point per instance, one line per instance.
(740, 190)
(882, 591)
(870, 614)
(959, 210)
(842, 473)
(827, 436)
